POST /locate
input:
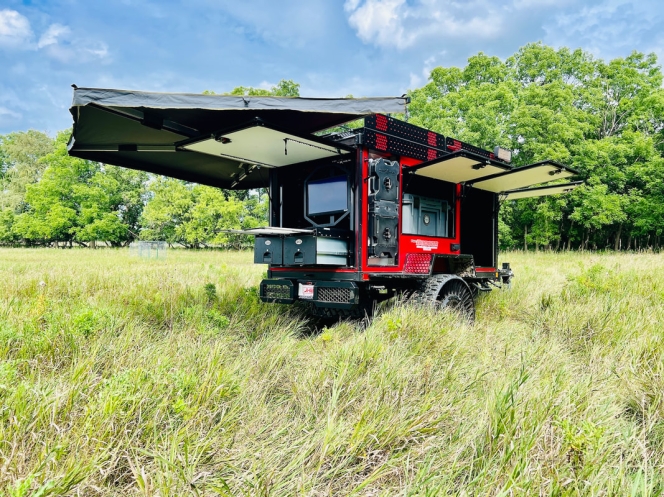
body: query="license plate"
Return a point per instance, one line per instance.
(305, 291)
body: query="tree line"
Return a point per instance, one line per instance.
(50, 198)
(605, 119)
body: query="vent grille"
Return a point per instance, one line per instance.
(338, 295)
(277, 292)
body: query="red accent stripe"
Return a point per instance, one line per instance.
(381, 142)
(381, 122)
(485, 269)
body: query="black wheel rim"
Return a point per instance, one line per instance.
(456, 297)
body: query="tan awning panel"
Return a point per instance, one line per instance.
(542, 191)
(263, 146)
(271, 231)
(459, 167)
(534, 174)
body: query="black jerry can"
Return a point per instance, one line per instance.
(269, 250)
(384, 184)
(383, 227)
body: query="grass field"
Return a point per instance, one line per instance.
(121, 376)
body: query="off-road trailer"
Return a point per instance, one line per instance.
(355, 216)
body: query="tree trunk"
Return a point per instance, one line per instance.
(525, 238)
(629, 242)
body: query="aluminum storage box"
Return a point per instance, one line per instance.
(309, 249)
(424, 216)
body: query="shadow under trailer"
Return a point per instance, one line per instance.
(356, 216)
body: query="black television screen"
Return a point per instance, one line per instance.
(327, 196)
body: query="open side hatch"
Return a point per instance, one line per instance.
(459, 167)
(257, 143)
(522, 177)
(541, 191)
(271, 231)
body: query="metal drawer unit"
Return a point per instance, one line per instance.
(311, 249)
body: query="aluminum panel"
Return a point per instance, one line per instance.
(540, 192)
(264, 146)
(524, 177)
(270, 231)
(458, 170)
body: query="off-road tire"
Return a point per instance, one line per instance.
(446, 291)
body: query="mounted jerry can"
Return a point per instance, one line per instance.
(356, 216)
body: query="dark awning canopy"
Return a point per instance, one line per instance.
(143, 130)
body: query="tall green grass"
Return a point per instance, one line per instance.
(122, 376)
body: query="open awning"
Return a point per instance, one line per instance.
(541, 191)
(459, 167)
(170, 133)
(522, 177)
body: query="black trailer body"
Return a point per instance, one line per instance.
(356, 216)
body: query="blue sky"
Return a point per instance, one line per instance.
(330, 47)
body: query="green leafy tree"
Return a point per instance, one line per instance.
(21, 165)
(606, 119)
(170, 202)
(80, 201)
(197, 216)
(284, 88)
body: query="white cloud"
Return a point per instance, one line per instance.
(59, 43)
(15, 31)
(400, 24)
(4, 111)
(610, 28)
(380, 21)
(351, 5)
(266, 85)
(53, 34)
(415, 80)
(8, 117)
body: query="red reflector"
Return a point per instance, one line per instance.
(417, 263)
(455, 146)
(431, 154)
(431, 139)
(381, 122)
(381, 142)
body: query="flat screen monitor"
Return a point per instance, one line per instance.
(327, 196)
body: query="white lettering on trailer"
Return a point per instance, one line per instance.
(426, 245)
